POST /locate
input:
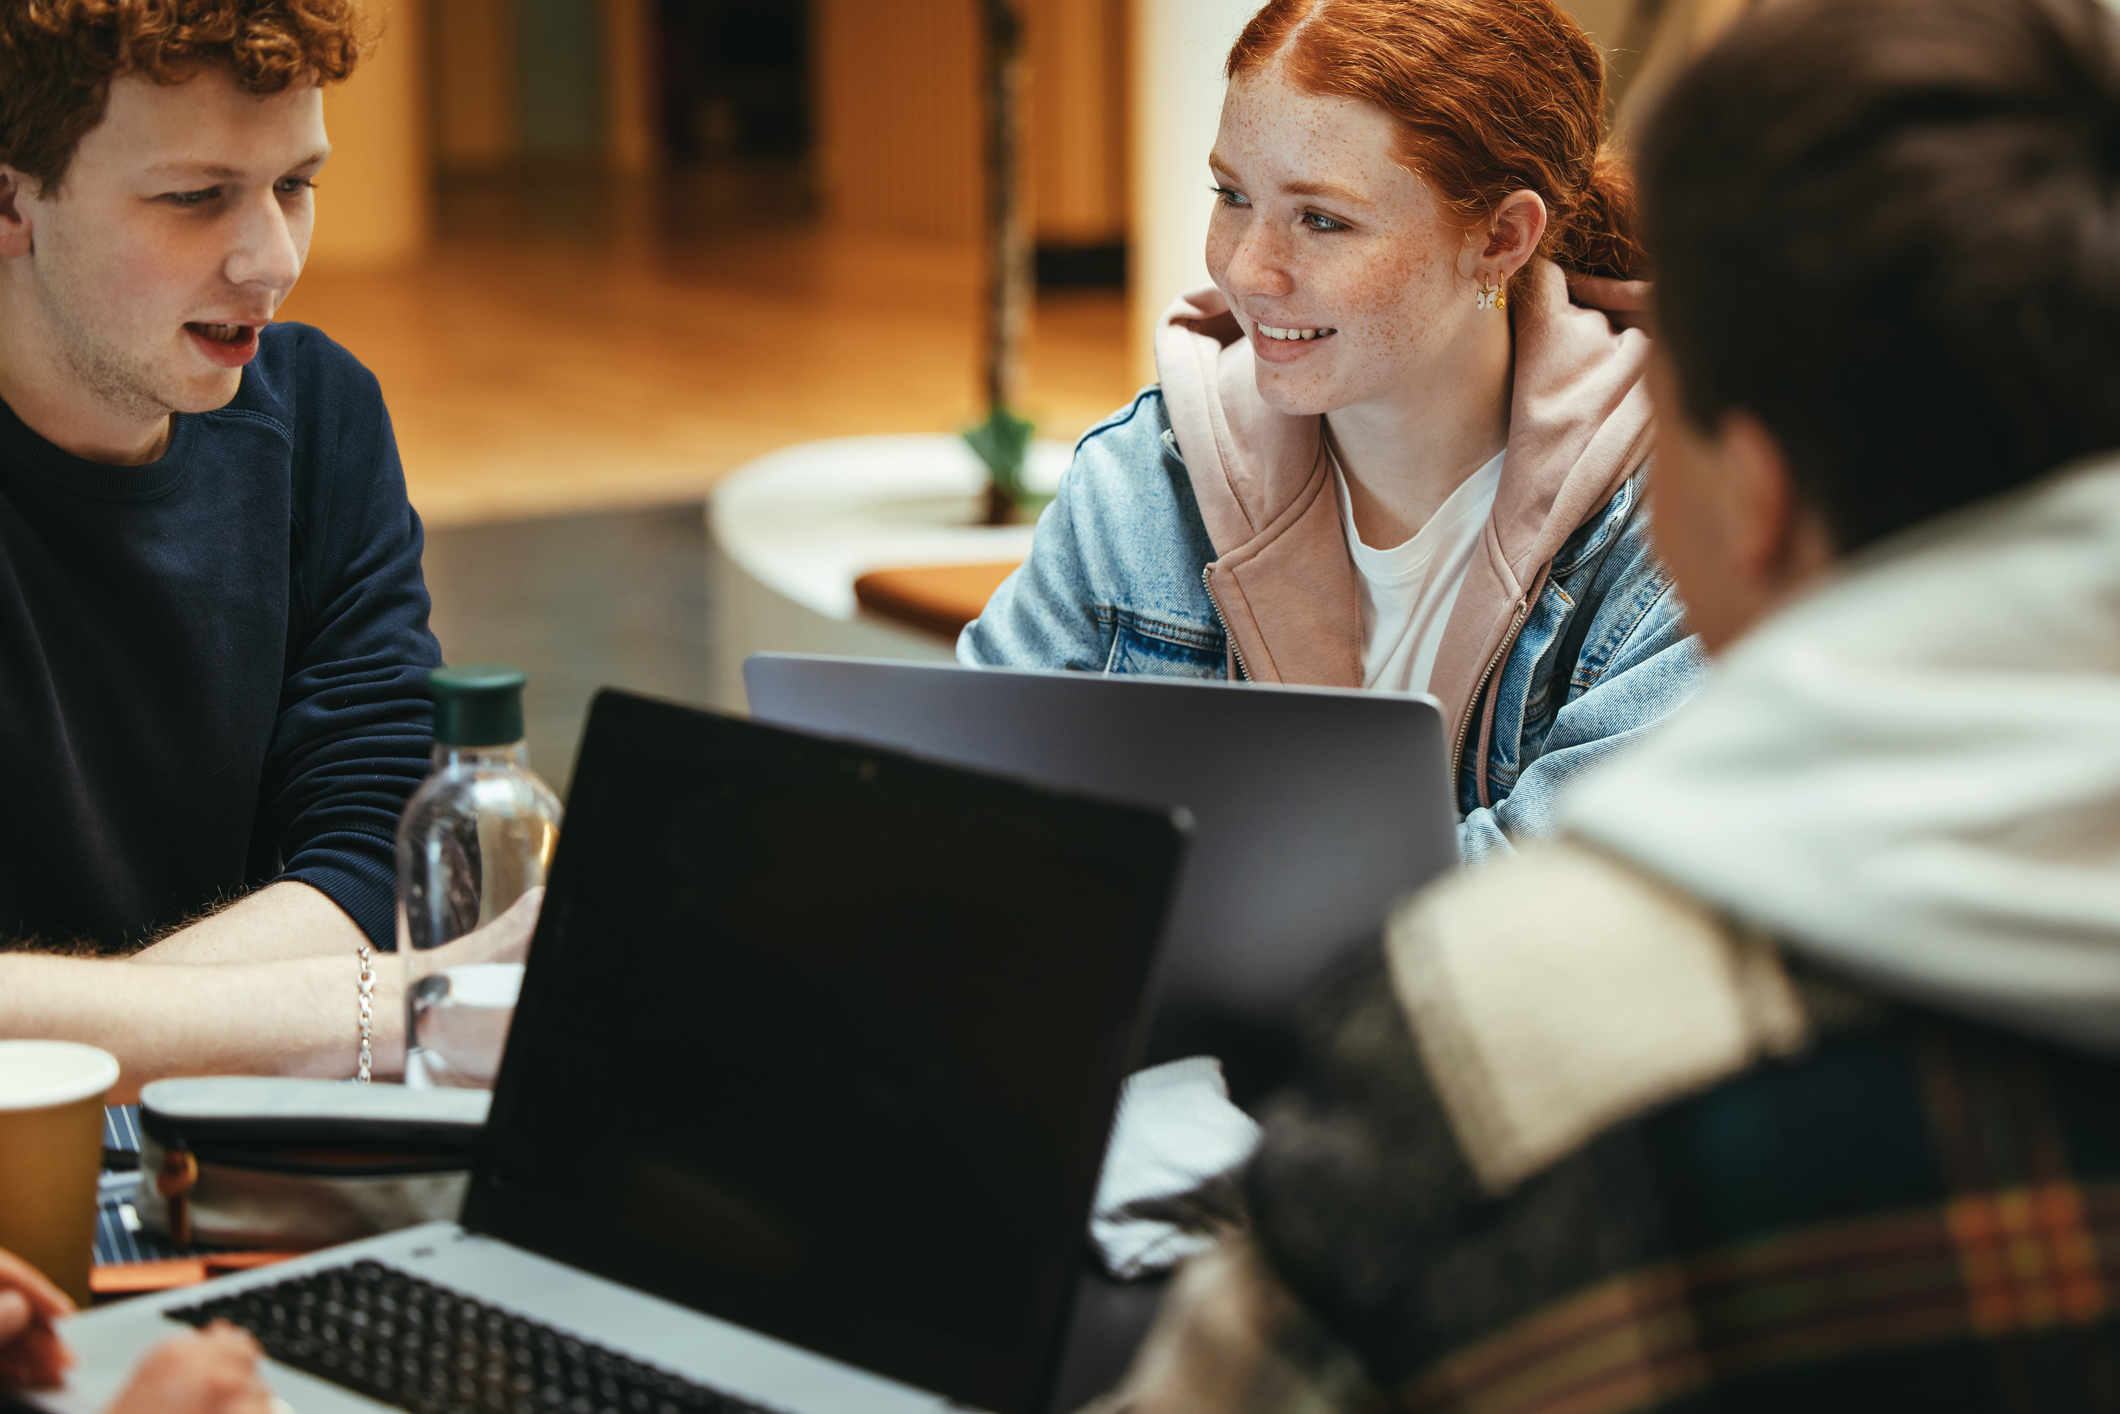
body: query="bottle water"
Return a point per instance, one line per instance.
(475, 837)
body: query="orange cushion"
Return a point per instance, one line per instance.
(940, 599)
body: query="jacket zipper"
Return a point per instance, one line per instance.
(1228, 637)
(1457, 754)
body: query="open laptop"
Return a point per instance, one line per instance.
(802, 1110)
(1314, 809)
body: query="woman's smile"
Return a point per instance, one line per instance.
(1278, 344)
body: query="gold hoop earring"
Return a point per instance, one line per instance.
(1490, 296)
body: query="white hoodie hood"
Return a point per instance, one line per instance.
(1913, 774)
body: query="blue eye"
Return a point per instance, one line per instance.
(1319, 221)
(1230, 197)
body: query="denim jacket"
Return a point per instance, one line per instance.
(1116, 583)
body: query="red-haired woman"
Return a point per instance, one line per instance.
(1386, 449)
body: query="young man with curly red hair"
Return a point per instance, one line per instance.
(213, 627)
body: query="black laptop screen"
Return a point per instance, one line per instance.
(825, 1041)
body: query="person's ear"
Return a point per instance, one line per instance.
(1513, 234)
(16, 237)
(1778, 543)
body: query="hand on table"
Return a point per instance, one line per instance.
(31, 1354)
(212, 1372)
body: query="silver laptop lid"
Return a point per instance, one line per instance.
(1313, 808)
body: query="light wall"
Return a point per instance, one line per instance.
(373, 208)
(1603, 20)
(1179, 49)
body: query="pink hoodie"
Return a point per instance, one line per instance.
(1578, 427)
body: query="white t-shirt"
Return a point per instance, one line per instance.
(1407, 591)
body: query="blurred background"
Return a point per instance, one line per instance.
(603, 253)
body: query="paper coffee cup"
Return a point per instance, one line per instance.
(51, 1149)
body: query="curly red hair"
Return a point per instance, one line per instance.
(57, 58)
(1492, 96)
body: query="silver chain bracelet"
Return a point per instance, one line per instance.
(367, 1071)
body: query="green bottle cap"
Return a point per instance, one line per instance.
(478, 704)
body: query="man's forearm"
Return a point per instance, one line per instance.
(267, 986)
(299, 1017)
(296, 1017)
(281, 921)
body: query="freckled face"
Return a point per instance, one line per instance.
(1318, 233)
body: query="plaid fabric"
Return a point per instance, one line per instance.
(1914, 1214)
(1795, 1281)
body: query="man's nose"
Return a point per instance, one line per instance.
(265, 251)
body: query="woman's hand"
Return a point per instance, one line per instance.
(31, 1353)
(1624, 302)
(212, 1372)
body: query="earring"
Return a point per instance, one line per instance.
(1490, 296)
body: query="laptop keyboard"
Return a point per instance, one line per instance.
(386, 1334)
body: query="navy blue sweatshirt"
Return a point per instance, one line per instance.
(212, 667)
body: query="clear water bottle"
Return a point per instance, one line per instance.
(475, 837)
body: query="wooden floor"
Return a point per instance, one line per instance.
(608, 345)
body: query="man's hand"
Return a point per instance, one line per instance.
(31, 1354)
(467, 1038)
(505, 939)
(212, 1372)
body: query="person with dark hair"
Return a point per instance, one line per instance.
(1386, 449)
(213, 627)
(1788, 1077)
